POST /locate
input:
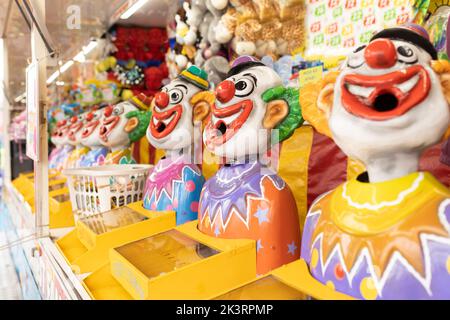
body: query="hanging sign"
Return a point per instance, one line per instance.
(32, 94)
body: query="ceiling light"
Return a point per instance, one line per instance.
(53, 77)
(132, 10)
(66, 66)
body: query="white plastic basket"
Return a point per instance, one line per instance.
(99, 189)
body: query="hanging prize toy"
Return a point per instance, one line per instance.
(75, 133)
(385, 234)
(246, 199)
(90, 138)
(176, 181)
(439, 31)
(121, 125)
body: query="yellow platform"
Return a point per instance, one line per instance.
(86, 247)
(182, 263)
(289, 282)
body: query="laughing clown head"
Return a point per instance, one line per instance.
(388, 100)
(76, 129)
(180, 105)
(249, 105)
(124, 122)
(60, 134)
(90, 135)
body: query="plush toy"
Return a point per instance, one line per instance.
(217, 68)
(385, 234)
(90, 138)
(246, 198)
(179, 109)
(121, 125)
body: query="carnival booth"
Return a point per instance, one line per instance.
(242, 149)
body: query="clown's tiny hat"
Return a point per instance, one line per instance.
(243, 62)
(412, 33)
(141, 101)
(196, 76)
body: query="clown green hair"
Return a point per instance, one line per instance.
(143, 118)
(294, 118)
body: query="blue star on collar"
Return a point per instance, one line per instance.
(261, 214)
(217, 231)
(292, 248)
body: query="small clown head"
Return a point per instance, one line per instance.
(125, 122)
(90, 136)
(250, 103)
(180, 105)
(387, 98)
(113, 125)
(76, 129)
(60, 134)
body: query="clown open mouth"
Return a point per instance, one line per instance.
(386, 96)
(74, 129)
(226, 121)
(163, 123)
(89, 128)
(108, 125)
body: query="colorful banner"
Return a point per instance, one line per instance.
(337, 26)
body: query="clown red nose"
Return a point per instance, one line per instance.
(381, 54)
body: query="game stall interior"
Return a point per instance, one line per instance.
(225, 149)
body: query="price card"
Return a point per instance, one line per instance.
(310, 75)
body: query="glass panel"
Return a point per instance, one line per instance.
(267, 288)
(165, 252)
(113, 219)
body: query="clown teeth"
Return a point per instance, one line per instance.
(360, 91)
(155, 121)
(168, 120)
(227, 120)
(409, 85)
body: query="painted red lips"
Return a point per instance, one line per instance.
(74, 128)
(89, 128)
(159, 126)
(107, 126)
(220, 132)
(391, 95)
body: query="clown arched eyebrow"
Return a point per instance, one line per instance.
(182, 85)
(252, 76)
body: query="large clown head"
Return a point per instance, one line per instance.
(90, 136)
(177, 107)
(60, 135)
(388, 103)
(124, 123)
(76, 129)
(249, 104)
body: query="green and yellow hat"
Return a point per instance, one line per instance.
(198, 77)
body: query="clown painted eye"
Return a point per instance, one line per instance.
(406, 54)
(244, 87)
(176, 95)
(118, 110)
(356, 59)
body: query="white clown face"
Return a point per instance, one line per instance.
(236, 127)
(112, 126)
(60, 135)
(90, 136)
(171, 126)
(76, 129)
(387, 100)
